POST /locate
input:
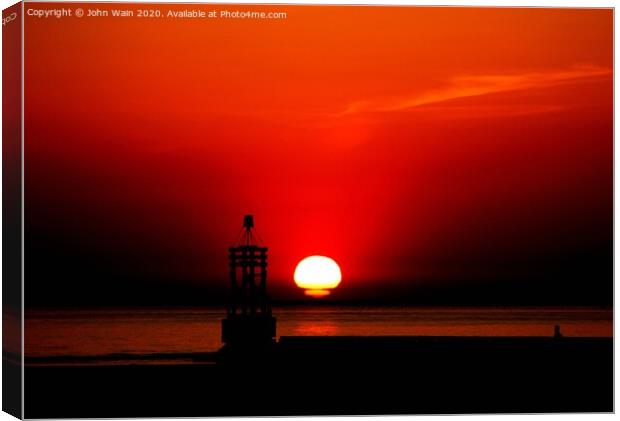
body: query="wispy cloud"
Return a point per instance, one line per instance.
(465, 86)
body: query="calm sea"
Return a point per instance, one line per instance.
(99, 332)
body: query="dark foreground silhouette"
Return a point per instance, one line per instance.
(339, 375)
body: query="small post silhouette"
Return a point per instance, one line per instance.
(556, 331)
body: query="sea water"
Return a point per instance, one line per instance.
(146, 331)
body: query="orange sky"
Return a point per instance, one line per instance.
(415, 146)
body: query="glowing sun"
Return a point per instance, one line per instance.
(317, 275)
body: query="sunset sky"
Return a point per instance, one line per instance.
(437, 154)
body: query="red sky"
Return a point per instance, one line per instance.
(416, 146)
